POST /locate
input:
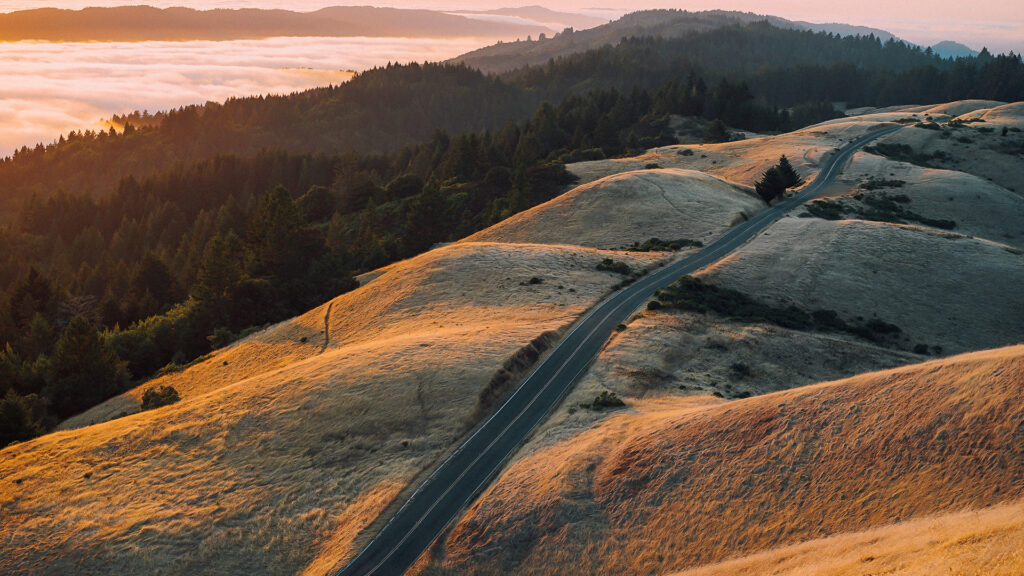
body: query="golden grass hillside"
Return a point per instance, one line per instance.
(978, 207)
(278, 455)
(668, 485)
(977, 146)
(985, 542)
(619, 210)
(741, 162)
(940, 288)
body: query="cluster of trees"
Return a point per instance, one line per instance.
(754, 77)
(774, 181)
(188, 228)
(167, 268)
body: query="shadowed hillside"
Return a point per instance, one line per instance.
(659, 488)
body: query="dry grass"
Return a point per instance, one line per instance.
(656, 488)
(741, 162)
(265, 470)
(283, 449)
(939, 288)
(986, 542)
(631, 207)
(982, 154)
(980, 208)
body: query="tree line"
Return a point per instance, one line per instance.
(98, 294)
(790, 76)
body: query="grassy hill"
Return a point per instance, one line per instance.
(660, 487)
(290, 446)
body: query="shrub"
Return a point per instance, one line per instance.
(651, 166)
(740, 370)
(873, 184)
(825, 209)
(604, 400)
(158, 396)
(694, 295)
(659, 245)
(536, 280)
(609, 265)
(716, 133)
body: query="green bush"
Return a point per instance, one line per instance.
(875, 184)
(609, 265)
(158, 396)
(604, 400)
(740, 370)
(659, 245)
(694, 295)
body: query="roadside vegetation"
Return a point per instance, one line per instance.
(776, 180)
(694, 295)
(659, 245)
(877, 207)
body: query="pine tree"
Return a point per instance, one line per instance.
(771, 185)
(17, 419)
(83, 370)
(789, 175)
(220, 270)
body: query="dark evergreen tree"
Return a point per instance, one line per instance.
(716, 132)
(788, 174)
(771, 185)
(18, 421)
(83, 370)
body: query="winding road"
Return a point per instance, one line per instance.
(442, 496)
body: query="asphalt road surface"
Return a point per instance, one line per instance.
(465, 473)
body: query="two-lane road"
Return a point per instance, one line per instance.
(466, 472)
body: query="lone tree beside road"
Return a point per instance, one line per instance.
(776, 180)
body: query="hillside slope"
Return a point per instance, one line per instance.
(630, 207)
(939, 288)
(279, 453)
(507, 56)
(983, 542)
(740, 477)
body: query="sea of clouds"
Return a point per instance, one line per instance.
(48, 89)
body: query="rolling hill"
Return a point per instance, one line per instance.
(664, 485)
(653, 23)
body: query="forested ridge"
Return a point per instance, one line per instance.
(386, 108)
(137, 251)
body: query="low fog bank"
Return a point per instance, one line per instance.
(50, 89)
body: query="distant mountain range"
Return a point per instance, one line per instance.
(950, 49)
(664, 23)
(543, 16)
(140, 23)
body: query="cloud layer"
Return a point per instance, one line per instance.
(49, 89)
